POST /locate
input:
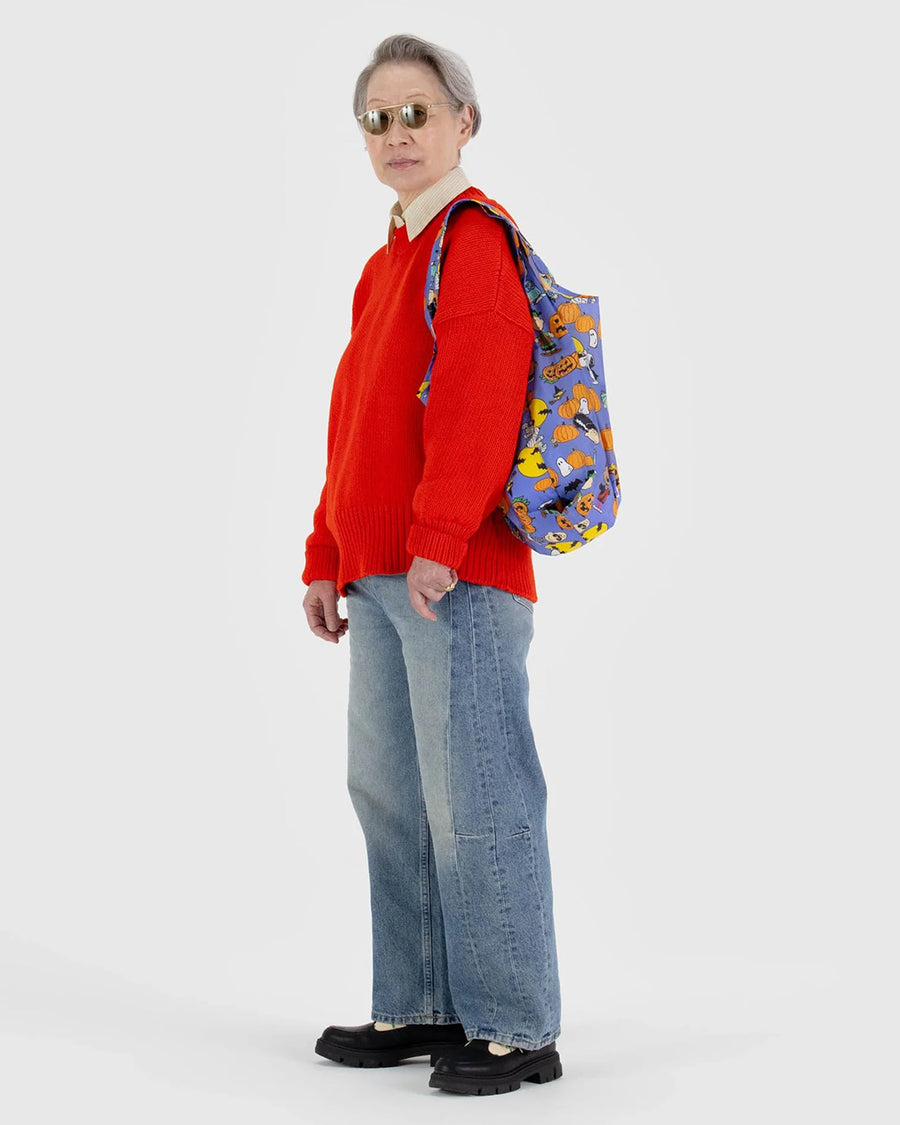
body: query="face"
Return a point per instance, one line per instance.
(411, 160)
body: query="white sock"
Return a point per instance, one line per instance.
(382, 1025)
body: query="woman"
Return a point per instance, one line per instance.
(443, 772)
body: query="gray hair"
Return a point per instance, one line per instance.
(452, 73)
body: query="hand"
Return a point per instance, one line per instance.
(428, 581)
(320, 606)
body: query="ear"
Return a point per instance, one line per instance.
(466, 121)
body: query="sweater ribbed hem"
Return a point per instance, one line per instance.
(373, 540)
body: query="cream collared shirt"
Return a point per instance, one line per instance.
(424, 207)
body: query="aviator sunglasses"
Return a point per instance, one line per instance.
(413, 115)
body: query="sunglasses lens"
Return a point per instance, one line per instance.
(375, 121)
(413, 115)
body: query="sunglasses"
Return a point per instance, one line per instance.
(413, 115)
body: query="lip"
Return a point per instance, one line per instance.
(402, 162)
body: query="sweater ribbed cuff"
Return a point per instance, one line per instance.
(321, 562)
(435, 545)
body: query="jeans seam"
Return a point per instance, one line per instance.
(532, 866)
(511, 945)
(427, 935)
(459, 881)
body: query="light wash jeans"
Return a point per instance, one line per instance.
(444, 776)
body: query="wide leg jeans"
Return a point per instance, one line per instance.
(444, 776)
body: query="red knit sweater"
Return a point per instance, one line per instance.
(406, 479)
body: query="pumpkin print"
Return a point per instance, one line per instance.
(572, 406)
(580, 390)
(577, 458)
(565, 433)
(557, 325)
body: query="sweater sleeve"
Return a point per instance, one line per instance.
(484, 335)
(321, 549)
(322, 553)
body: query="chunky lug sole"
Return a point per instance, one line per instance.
(384, 1056)
(544, 1069)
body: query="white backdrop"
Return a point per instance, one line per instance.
(183, 893)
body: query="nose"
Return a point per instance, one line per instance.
(397, 133)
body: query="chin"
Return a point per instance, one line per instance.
(407, 175)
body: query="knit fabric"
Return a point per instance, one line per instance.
(406, 479)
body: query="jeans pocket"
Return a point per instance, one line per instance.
(522, 600)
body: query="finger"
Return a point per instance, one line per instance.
(322, 630)
(332, 617)
(419, 602)
(432, 593)
(313, 611)
(316, 616)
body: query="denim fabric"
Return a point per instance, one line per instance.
(444, 776)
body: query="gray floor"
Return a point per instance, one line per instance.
(678, 1042)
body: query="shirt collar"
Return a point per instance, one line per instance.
(424, 207)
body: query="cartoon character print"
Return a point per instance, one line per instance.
(545, 341)
(533, 292)
(549, 285)
(538, 412)
(613, 471)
